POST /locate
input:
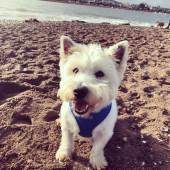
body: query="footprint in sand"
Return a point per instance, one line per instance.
(51, 116)
(10, 89)
(21, 119)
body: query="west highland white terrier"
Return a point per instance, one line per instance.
(90, 77)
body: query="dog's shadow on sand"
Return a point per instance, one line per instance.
(130, 150)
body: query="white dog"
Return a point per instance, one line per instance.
(90, 77)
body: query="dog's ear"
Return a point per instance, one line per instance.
(119, 54)
(66, 44)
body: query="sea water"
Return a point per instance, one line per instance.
(54, 11)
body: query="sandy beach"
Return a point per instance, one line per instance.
(29, 79)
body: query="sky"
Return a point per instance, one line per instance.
(162, 3)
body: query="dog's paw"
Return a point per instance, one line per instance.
(98, 161)
(63, 155)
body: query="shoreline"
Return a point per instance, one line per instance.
(79, 21)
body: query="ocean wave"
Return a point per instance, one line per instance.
(22, 15)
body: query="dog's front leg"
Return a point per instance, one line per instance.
(66, 145)
(97, 158)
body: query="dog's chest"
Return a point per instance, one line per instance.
(87, 125)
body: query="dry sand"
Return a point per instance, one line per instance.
(29, 78)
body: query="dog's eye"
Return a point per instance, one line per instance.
(99, 74)
(75, 70)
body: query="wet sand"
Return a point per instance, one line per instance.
(29, 78)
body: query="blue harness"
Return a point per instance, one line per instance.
(86, 125)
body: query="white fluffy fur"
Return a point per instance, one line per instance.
(89, 59)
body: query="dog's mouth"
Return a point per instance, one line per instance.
(80, 106)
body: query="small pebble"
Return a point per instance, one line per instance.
(118, 147)
(143, 164)
(165, 112)
(160, 162)
(25, 69)
(160, 140)
(144, 141)
(145, 76)
(125, 139)
(154, 163)
(123, 89)
(142, 137)
(164, 129)
(29, 160)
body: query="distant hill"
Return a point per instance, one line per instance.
(117, 4)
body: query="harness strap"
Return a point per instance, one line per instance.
(87, 125)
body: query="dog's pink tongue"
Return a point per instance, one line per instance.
(81, 106)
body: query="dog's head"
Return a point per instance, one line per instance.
(90, 74)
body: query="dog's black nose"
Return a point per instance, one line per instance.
(81, 92)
